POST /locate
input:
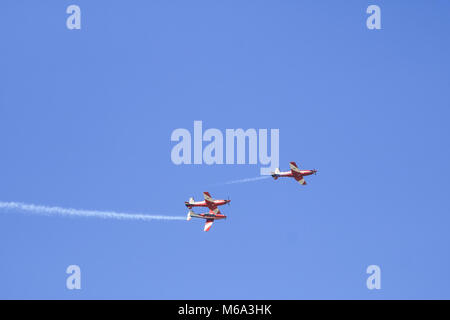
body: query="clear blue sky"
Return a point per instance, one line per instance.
(85, 122)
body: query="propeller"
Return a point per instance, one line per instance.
(228, 200)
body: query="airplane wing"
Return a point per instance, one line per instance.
(300, 179)
(208, 224)
(210, 203)
(296, 173)
(294, 167)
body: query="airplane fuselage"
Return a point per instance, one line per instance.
(290, 174)
(208, 216)
(203, 203)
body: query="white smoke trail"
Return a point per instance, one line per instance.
(247, 180)
(46, 210)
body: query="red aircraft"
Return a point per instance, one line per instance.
(206, 203)
(213, 214)
(295, 172)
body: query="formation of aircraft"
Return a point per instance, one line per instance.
(213, 204)
(213, 214)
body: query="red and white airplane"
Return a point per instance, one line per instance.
(295, 173)
(213, 214)
(206, 203)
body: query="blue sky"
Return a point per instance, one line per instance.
(85, 122)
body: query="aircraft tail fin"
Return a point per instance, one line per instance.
(189, 203)
(276, 173)
(189, 215)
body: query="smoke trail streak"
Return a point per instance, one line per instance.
(247, 180)
(46, 210)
